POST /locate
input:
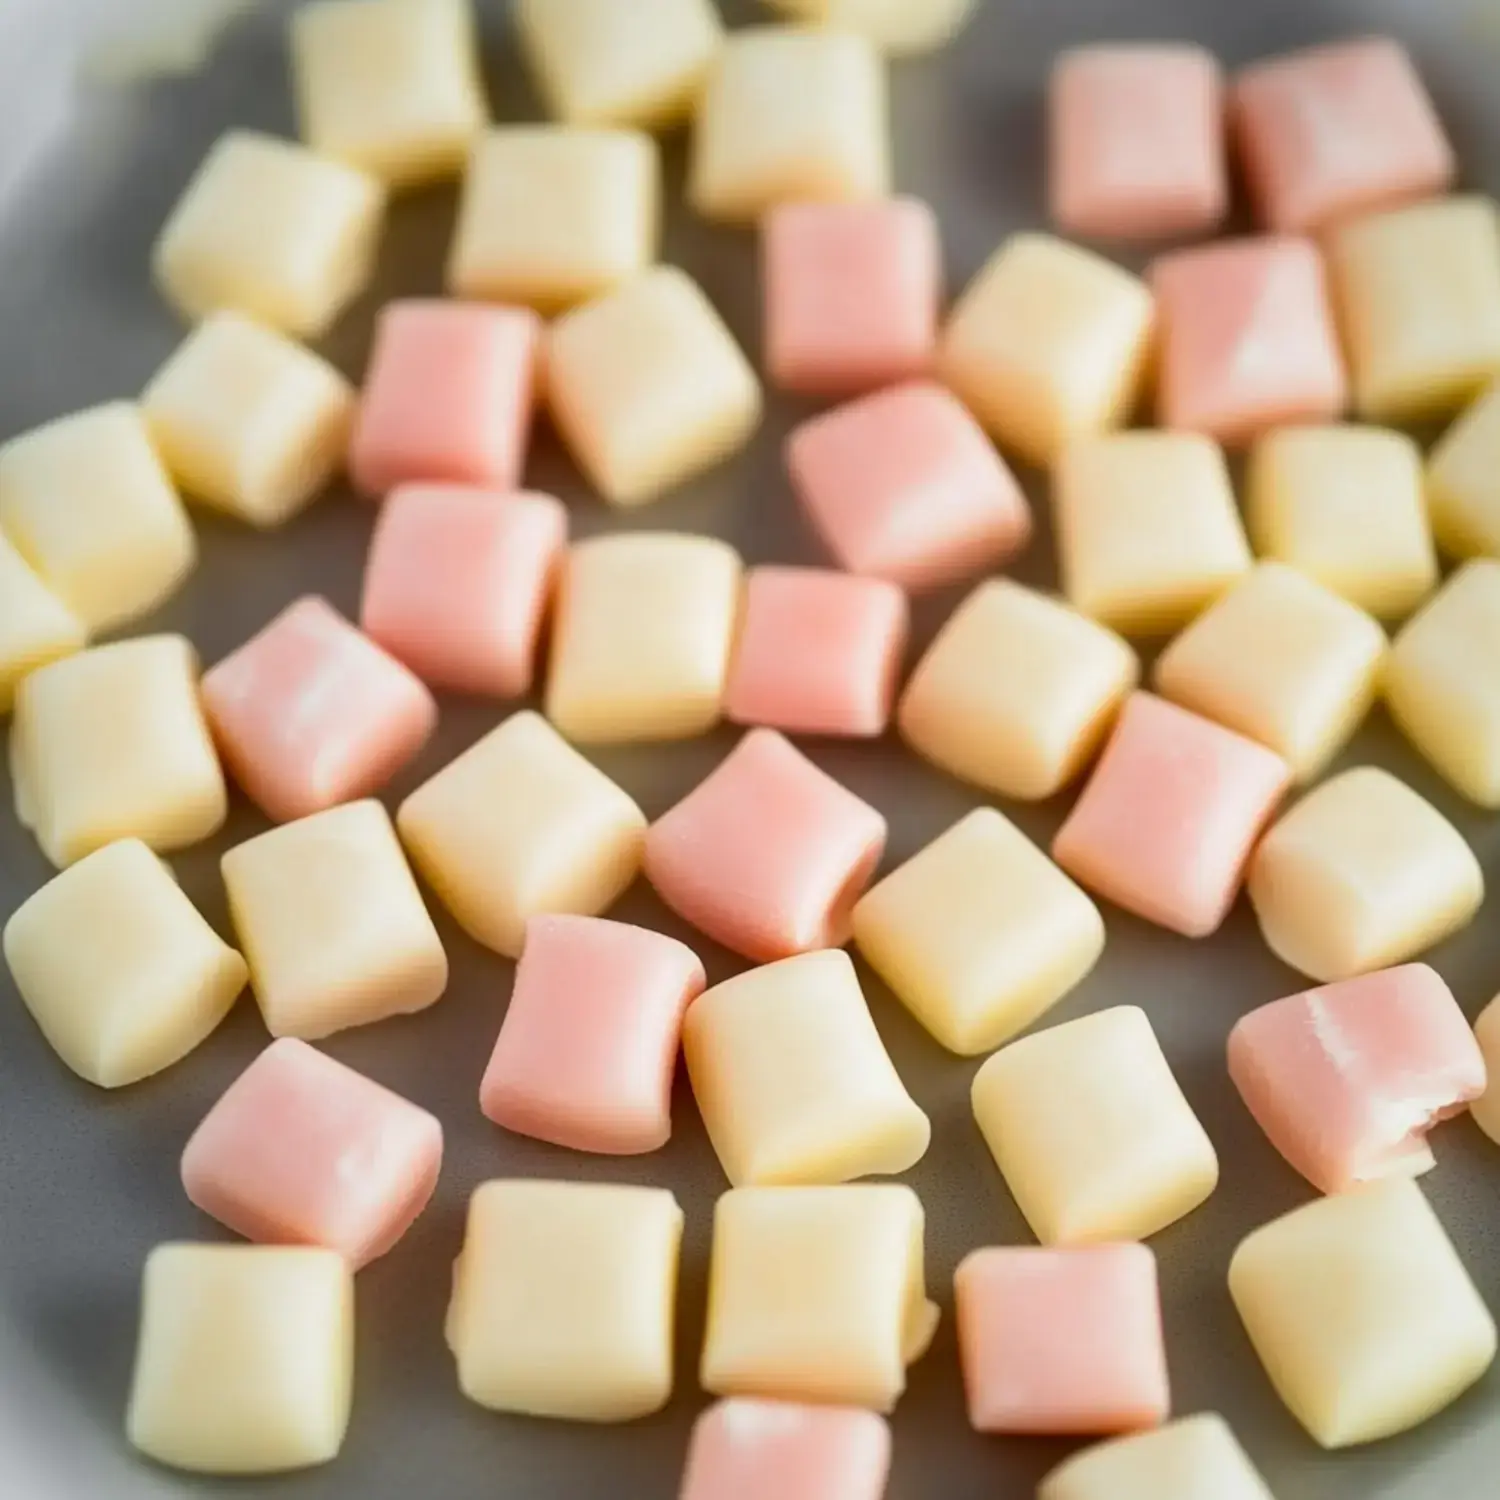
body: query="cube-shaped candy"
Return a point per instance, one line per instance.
(1048, 344)
(1091, 1131)
(979, 933)
(521, 825)
(1361, 874)
(1137, 142)
(309, 712)
(458, 583)
(36, 627)
(448, 396)
(274, 230)
(649, 387)
(641, 637)
(589, 1043)
(1282, 660)
(851, 294)
(564, 1299)
(818, 652)
(1166, 824)
(1486, 1108)
(117, 968)
(902, 28)
(245, 1362)
(1195, 1458)
(1362, 1313)
(272, 1159)
(789, 113)
(246, 419)
(769, 854)
(817, 1294)
(1148, 532)
(1338, 130)
(86, 502)
(793, 1081)
(1062, 1341)
(1463, 482)
(332, 923)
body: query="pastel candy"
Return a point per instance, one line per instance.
(36, 627)
(1194, 1458)
(898, 27)
(1486, 1108)
(1462, 489)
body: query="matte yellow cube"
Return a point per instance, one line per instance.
(1193, 1458)
(1463, 482)
(36, 627)
(899, 27)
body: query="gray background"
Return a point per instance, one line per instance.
(88, 1181)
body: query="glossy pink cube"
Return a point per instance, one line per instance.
(310, 713)
(448, 397)
(589, 1043)
(1168, 819)
(769, 855)
(302, 1150)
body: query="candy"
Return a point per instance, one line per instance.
(899, 27)
(36, 627)
(1486, 1108)
(1195, 1458)
(1462, 494)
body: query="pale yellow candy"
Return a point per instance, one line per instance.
(1486, 1108)
(271, 229)
(1419, 300)
(245, 1363)
(564, 1299)
(817, 1294)
(1148, 532)
(979, 933)
(900, 27)
(1091, 1131)
(790, 114)
(36, 627)
(649, 387)
(86, 502)
(521, 825)
(793, 1081)
(1048, 344)
(118, 969)
(1282, 660)
(1359, 875)
(1463, 481)
(248, 421)
(1362, 1313)
(1194, 1458)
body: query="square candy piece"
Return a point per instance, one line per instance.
(589, 1043)
(1196, 1458)
(898, 27)
(1486, 1108)
(36, 627)
(1091, 1131)
(304, 1151)
(1463, 482)
(769, 854)
(904, 485)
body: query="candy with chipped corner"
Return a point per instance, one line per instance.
(899, 27)
(36, 627)
(1193, 1458)
(1463, 481)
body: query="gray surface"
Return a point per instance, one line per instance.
(88, 1181)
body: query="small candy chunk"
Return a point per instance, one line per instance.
(1062, 1341)
(309, 713)
(1137, 147)
(1166, 824)
(1463, 482)
(1361, 874)
(304, 1151)
(818, 652)
(589, 1043)
(1048, 344)
(245, 1363)
(448, 396)
(789, 114)
(36, 627)
(1091, 1131)
(1362, 1313)
(1195, 1458)
(1486, 1108)
(649, 387)
(979, 933)
(641, 637)
(1282, 660)
(564, 1300)
(899, 27)
(851, 293)
(86, 502)
(519, 826)
(554, 215)
(274, 230)
(817, 1294)
(769, 854)
(1338, 130)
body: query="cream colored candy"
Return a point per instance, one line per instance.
(1486, 1108)
(1463, 481)
(245, 1363)
(1194, 1458)
(1091, 1131)
(1361, 874)
(817, 1294)
(564, 1299)
(979, 933)
(36, 627)
(900, 27)
(1362, 1313)
(521, 825)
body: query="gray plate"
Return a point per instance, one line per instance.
(88, 1181)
